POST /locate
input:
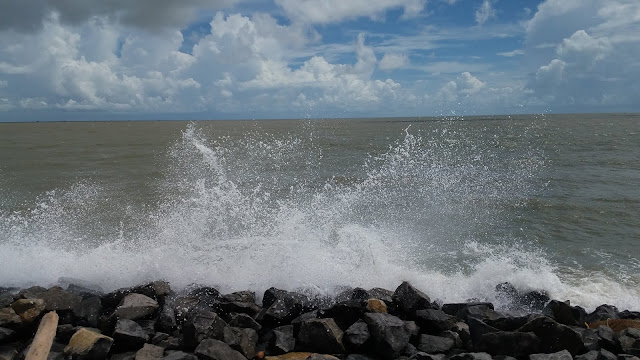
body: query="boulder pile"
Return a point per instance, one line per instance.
(152, 321)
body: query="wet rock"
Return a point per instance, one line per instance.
(59, 299)
(6, 299)
(479, 311)
(629, 340)
(136, 306)
(206, 295)
(6, 335)
(565, 314)
(203, 325)
(88, 311)
(356, 336)
(601, 337)
(602, 312)
(597, 355)
(424, 356)
(150, 352)
(434, 321)
(321, 357)
(128, 335)
(129, 355)
(516, 344)
(560, 355)
(280, 307)
(534, 300)
(179, 355)
(457, 309)
(242, 340)
(211, 349)
(408, 299)
(555, 336)
(435, 344)
(457, 341)
(32, 292)
(381, 294)
(472, 356)
(243, 321)
(8, 353)
(90, 345)
(518, 300)
(377, 306)
(389, 334)
(321, 335)
(359, 357)
(359, 294)
(9, 319)
(477, 328)
(65, 332)
(240, 296)
(345, 313)
(283, 340)
(170, 343)
(167, 317)
(28, 309)
(632, 315)
(509, 323)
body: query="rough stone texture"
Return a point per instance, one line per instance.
(345, 313)
(481, 312)
(6, 298)
(322, 357)
(359, 357)
(244, 321)
(59, 299)
(515, 344)
(509, 323)
(356, 335)
(167, 318)
(389, 334)
(601, 337)
(560, 355)
(454, 308)
(280, 307)
(554, 336)
(211, 349)
(602, 312)
(205, 324)
(435, 344)
(597, 355)
(565, 314)
(424, 356)
(382, 294)
(283, 341)
(150, 352)
(472, 356)
(88, 311)
(179, 355)
(9, 319)
(321, 335)
(377, 306)
(477, 328)
(433, 321)
(241, 340)
(128, 335)
(629, 340)
(240, 296)
(28, 309)
(8, 353)
(409, 299)
(136, 306)
(90, 345)
(6, 335)
(129, 355)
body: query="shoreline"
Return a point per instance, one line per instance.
(152, 321)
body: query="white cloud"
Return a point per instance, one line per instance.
(392, 61)
(513, 53)
(485, 12)
(333, 11)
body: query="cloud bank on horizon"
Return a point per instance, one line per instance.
(98, 59)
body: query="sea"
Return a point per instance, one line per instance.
(454, 205)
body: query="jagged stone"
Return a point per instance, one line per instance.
(128, 335)
(434, 344)
(560, 355)
(28, 309)
(243, 321)
(150, 352)
(321, 335)
(565, 314)
(280, 307)
(64, 332)
(597, 355)
(240, 296)
(6, 335)
(433, 321)
(241, 340)
(627, 357)
(149, 326)
(481, 312)
(382, 294)
(359, 294)
(356, 335)
(602, 312)
(9, 319)
(409, 299)
(457, 341)
(87, 344)
(129, 355)
(322, 357)
(425, 356)
(159, 337)
(516, 344)
(203, 325)
(359, 357)
(377, 306)
(211, 349)
(283, 340)
(88, 311)
(554, 336)
(632, 315)
(454, 308)
(477, 328)
(389, 334)
(8, 353)
(629, 340)
(136, 306)
(32, 292)
(345, 313)
(509, 323)
(472, 356)
(58, 299)
(171, 343)
(6, 297)
(167, 317)
(179, 355)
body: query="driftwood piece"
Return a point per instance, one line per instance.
(41, 345)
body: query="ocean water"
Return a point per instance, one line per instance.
(453, 205)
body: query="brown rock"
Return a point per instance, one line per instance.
(136, 306)
(376, 306)
(28, 309)
(86, 344)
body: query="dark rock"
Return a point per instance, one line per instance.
(65, 332)
(602, 312)
(321, 357)
(204, 294)
(359, 294)
(171, 343)
(627, 357)
(155, 290)
(28, 309)
(435, 344)
(356, 335)
(457, 341)
(413, 328)
(129, 355)
(554, 336)
(241, 340)
(345, 313)
(479, 311)
(167, 317)
(534, 300)
(565, 314)
(410, 350)
(89, 345)
(320, 335)
(381, 294)
(283, 306)
(477, 328)
(597, 355)
(33, 292)
(472, 356)
(179, 355)
(409, 299)
(8, 353)
(211, 349)
(605, 338)
(149, 326)
(389, 334)
(283, 340)
(424, 356)
(128, 335)
(358, 357)
(136, 306)
(509, 323)
(203, 325)
(159, 337)
(9, 319)
(225, 308)
(629, 340)
(243, 321)
(6, 299)
(434, 321)
(150, 352)
(55, 355)
(515, 344)
(454, 308)
(631, 315)
(88, 311)
(560, 355)
(6, 335)
(240, 296)
(58, 299)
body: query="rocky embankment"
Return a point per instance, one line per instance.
(153, 322)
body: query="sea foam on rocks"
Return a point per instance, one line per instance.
(152, 321)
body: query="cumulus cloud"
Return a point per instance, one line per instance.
(513, 53)
(392, 61)
(485, 12)
(332, 11)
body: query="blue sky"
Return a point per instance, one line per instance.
(227, 59)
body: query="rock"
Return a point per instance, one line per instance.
(376, 305)
(424, 356)
(597, 355)
(434, 321)
(9, 319)
(356, 335)
(479, 311)
(282, 306)
(6, 335)
(629, 340)
(457, 341)
(243, 321)
(28, 309)
(477, 328)
(435, 344)
(602, 312)
(322, 357)
(381, 294)
(179, 355)
(409, 299)
(472, 356)
(283, 340)
(33, 292)
(565, 314)
(205, 294)
(617, 325)
(167, 317)
(88, 311)
(359, 357)
(6, 299)
(560, 355)
(128, 335)
(203, 325)
(90, 345)
(454, 309)
(159, 337)
(171, 343)
(148, 326)
(65, 332)
(240, 296)
(554, 336)
(389, 334)
(534, 300)
(345, 313)
(509, 323)
(321, 335)
(627, 357)
(129, 355)
(633, 315)
(291, 356)
(57, 299)
(241, 340)
(211, 349)
(150, 352)
(601, 337)
(136, 306)
(516, 344)
(8, 353)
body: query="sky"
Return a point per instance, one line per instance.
(251, 59)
